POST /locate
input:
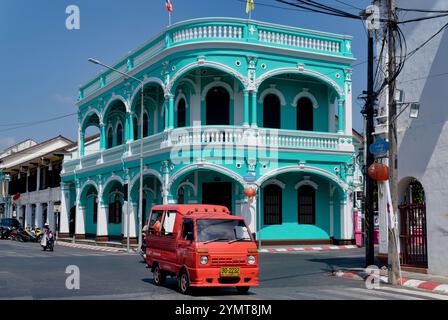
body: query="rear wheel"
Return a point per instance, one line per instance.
(243, 289)
(158, 275)
(184, 282)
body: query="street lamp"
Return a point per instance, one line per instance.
(140, 222)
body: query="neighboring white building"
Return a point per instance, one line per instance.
(422, 143)
(30, 181)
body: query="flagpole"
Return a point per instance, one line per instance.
(169, 18)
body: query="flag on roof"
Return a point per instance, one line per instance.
(169, 5)
(250, 6)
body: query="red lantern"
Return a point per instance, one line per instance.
(250, 192)
(379, 172)
(16, 197)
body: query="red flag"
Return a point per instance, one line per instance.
(169, 5)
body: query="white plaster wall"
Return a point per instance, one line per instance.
(423, 142)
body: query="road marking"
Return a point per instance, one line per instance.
(418, 293)
(387, 295)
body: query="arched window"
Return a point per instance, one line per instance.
(110, 138)
(119, 134)
(305, 116)
(181, 113)
(181, 196)
(272, 205)
(217, 107)
(306, 196)
(135, 124)
(145, 124)
(271, 112)
(115, 209)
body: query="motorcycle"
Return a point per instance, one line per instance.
(19, 235)
(47, 241)
(34, 235)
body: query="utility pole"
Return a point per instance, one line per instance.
(369, 192)
(393, 259)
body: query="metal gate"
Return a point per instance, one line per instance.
(413, 239)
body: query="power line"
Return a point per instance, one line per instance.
(319, 9)
(274, 6)
(423, 18)
(348, 5)
(34, 123)
(421, 10)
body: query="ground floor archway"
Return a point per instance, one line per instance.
(412, 224)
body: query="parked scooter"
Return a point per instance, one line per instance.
(34, 235)
(19, 235)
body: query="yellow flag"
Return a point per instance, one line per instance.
(250, 6)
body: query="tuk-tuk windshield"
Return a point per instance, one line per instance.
(230, 230)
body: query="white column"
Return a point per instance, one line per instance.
(331, 219)
(80, 221)
(347, 231)
(133, 209)
(28, 216)
(101, 222)
(39, 215)
(249, 213)
(38, 179)
(50, 216)
(64, 227)
(348, 109)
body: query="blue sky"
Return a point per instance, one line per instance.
(43, 63)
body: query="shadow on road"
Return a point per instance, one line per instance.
(171, 283)
(335, 264)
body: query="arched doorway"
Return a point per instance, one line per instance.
(305, 115)
(412, 222)
(181, 114)
(271, 112)
(272, 199)
(72, 221)
(217, 107)
(306, 196)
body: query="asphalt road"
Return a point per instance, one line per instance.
(26, 272)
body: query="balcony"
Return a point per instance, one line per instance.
(209, 137)
(225, 30)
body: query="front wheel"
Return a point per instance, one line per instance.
(242, 289)
(184, 282)
(159, 276)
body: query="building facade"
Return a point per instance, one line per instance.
(229, 104)
(30, 181)
(422, 146)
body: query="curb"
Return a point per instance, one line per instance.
(307, 249)
(435, 287)
(89, 247)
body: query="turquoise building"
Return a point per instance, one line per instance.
(229, 105)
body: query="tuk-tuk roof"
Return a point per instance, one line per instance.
(189, 209)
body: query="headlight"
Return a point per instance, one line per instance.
(251, 260)
(204, 260)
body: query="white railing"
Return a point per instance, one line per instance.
(298, 41)
(203, 32)
(207, 135)
(148, 53)
(228, 136)
(92, 88)
(288, 139)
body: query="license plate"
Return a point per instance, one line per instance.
(230, 272)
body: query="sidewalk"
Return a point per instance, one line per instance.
(103, 247)
(304, 248)
(436, 284)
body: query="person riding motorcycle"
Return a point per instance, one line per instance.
(48, 238)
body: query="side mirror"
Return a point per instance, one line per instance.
(190, 236)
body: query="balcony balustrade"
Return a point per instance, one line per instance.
(225, 136)
(225, 30)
